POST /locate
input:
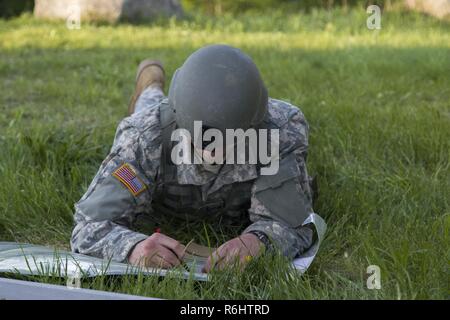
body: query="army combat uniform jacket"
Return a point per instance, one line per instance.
(130, 183)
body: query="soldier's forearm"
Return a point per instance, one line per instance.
(104, 239)
(290, 241)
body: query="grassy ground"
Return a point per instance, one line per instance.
(378, 103)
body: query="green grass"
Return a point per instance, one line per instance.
(378, 103)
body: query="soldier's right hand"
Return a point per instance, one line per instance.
(158, 251)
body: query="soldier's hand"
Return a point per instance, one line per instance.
(159, 251)
(241, 250)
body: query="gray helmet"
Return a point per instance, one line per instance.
(220, 86)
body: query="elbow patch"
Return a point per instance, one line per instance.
(282, 195)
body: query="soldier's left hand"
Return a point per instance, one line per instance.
(241, 250)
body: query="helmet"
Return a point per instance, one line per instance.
(220, 86)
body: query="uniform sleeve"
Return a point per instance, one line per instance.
(292, 183)
(120, 191)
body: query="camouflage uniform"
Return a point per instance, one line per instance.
(106, 214)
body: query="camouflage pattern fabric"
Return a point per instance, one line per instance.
(105, 215)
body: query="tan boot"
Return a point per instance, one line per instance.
(149, 73)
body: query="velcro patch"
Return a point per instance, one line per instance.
(129, 179)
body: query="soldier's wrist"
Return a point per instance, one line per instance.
(263, 238)
(131, 251)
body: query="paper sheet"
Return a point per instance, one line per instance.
(31, 259)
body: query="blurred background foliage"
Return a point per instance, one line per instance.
(219, 7)
(11, 8)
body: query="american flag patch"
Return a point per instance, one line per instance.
(129, 179)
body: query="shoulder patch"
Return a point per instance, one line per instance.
(128, 177)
